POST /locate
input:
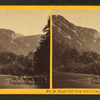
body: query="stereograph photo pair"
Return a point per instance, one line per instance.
(25, 48)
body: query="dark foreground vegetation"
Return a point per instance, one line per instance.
(71, 60)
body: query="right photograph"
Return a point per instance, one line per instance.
(76, 48)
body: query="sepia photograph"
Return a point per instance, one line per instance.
(76, 48)
(24, 49)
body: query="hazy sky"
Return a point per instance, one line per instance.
(26, 22)
(85, 18)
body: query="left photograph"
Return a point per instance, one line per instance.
(24, 49)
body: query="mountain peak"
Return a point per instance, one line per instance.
(60, 18)
(6, 32)
(68, 34)
(17, 43)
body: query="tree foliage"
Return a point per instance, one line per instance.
(7, 57)
(73, 61)
(42, 55)
(13, 64)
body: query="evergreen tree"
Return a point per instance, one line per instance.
(42, 55)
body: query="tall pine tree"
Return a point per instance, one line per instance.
(42, 55)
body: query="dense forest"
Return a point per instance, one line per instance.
(15, 64)
(70, 60)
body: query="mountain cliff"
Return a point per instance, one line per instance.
(17, 43)
(68, 34)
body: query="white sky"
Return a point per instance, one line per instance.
(84, 18)
(26, 22)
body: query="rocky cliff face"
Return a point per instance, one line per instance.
(17, 43)
(68, 34)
